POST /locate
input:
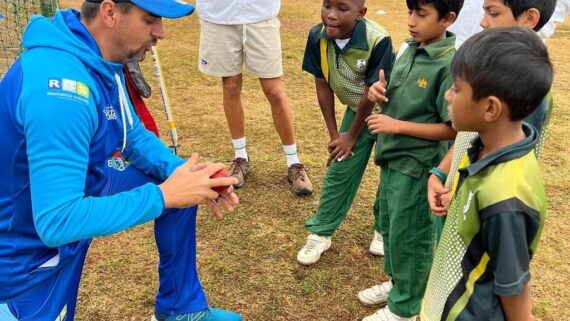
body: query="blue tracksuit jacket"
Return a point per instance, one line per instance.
(63, 114)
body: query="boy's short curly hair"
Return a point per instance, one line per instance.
(511, 64)
(545, 7)
(443, 7)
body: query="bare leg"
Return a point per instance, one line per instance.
(233, 108)
(282, 115)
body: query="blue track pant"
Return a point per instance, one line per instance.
(179, 290)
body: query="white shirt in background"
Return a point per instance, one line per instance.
(468, 21)
(467, 24)
(237, 12)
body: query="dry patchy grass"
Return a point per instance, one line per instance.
(247, 261)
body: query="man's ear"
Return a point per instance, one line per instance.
(107, 11)
(529, 18)
(361, 13)
(449, 19)
(494, 108)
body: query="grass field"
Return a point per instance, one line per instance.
(247, 261)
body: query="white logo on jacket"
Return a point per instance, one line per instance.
(467, 205)
(110, 113)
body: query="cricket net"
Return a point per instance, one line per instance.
(14, 17)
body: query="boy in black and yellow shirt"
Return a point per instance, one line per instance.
(413, 130)
(481, 267)
(345, 53)
(532, 14)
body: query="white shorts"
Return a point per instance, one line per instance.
(223, 49)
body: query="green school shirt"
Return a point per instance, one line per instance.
(416, 93)
(356, 65)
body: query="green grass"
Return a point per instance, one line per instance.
(247, 260)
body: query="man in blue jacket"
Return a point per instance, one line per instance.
(65, 112)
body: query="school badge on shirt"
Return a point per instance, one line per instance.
(422, 83)
(361, 64)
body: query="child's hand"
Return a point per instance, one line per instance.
(377, 92)
(438, 196)
(330, 143)
(379, 123)
(445, 200)
(341, 148)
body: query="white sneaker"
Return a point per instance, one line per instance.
(377, 244)
(376, 295)
(385, 314)
(311, 252)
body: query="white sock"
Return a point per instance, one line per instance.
(291, 153)
(239, 148)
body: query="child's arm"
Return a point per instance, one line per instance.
(312, 64)
(518, 307)
(377, 91)
(438, 195)
(380, 64)
(381, 123)
(325, 97)
(387, 125)
(341, 147)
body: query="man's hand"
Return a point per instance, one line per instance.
(190, 184)
(377, 91)
(341, 148)
(226, 199)
(438, 196)
(379, 123)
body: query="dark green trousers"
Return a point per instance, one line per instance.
(406, 224)
(341, 182)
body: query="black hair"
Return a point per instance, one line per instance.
(545, 7)
(511, 64)
(90, 9)
(443, 7)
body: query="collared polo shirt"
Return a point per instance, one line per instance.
(237, 12)
(490, 235)
(416, 90)
(356, 65)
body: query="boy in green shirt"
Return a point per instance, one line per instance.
(481, 266)
(413, 130)
(345, 53)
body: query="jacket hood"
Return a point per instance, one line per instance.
(56, 33)
(65, 33)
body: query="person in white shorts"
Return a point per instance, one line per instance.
(234, 32)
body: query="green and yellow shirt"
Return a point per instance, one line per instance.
(493, 226)
(416, 90)
(350, 69)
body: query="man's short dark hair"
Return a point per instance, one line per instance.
(545, 7)
(511, 64)
(443, 7)
(89, 10)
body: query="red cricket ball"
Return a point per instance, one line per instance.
(220, 173)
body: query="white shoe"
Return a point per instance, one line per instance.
(385, 314)
(377, 244)
(311, 252)
(376, 295)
